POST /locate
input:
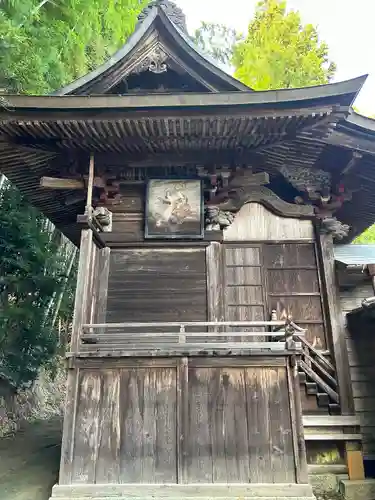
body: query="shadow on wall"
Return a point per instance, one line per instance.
(29, 461)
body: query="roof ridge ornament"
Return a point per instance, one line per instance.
(173, 12)
(155, 61)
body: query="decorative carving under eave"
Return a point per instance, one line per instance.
(104, 218)
(338, 230)
(246, 187)
(317, 191)
(216, 219)
(155, 61)
(325, 205)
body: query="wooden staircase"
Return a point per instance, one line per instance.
(317, 377)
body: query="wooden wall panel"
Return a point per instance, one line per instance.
(293, 285)
(255, 223)
(361, 346)
(284, 277)
(152, 285)
(125, 428)
(244, 286)
(240, 418)
(160, 421)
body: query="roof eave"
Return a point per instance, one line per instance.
(342, 93)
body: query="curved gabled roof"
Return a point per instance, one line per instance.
(160, 29)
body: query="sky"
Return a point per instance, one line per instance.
(347, 26)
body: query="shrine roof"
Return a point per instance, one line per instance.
(310, 128)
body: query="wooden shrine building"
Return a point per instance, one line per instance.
(208, 355)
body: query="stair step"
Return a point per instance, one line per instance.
(311, 388)
(302, 377)
(323, 399)
(334, 409)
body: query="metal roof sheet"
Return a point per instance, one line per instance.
(355, 254)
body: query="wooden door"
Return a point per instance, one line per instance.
(245, 297)
(284, 277)
(293, 284)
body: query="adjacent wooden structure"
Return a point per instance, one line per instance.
(208, 366)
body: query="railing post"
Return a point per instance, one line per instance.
(82, 290)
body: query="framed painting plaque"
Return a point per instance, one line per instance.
(174, 209)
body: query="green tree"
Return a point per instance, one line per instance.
(217, 41)
(33, 270)
(367, 237)
(46, 44)
(279, 52)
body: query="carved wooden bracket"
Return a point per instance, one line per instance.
(245, 187)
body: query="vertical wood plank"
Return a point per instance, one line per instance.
(228, 425)
(282, 456)
(93, 283)
(87, 427)
(337, 329)
(182, 419)
(294, 422)
(82, 289)
(165, 441)
(148, 432)
(103, 271)
(258, 427)
(108, 463)
(293, 379)
(214, 271)
(199, 447)
(71, 402)
(131, 394)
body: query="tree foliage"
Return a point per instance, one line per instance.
(279, 52)
(367, 237)
(46, 44)
(33, 271)
(217, 41)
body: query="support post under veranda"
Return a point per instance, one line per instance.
(81, 316)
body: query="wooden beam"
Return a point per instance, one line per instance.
(332, 436)
(90, 185)
(64, 183)
(354, 460)
(335, 325)
(57, 183)
(330, 421)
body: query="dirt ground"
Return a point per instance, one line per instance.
(29, 461)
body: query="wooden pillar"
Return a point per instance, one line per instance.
(353, 451)
(80, 317)
(214, 272)
(354, 461)
(336, 324)
(371, 270)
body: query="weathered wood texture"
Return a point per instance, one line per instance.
(154, 285)
(361, 346)
(282, 277)
(163, 421)
(255, 223)
(215, 281)
(335, 323)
